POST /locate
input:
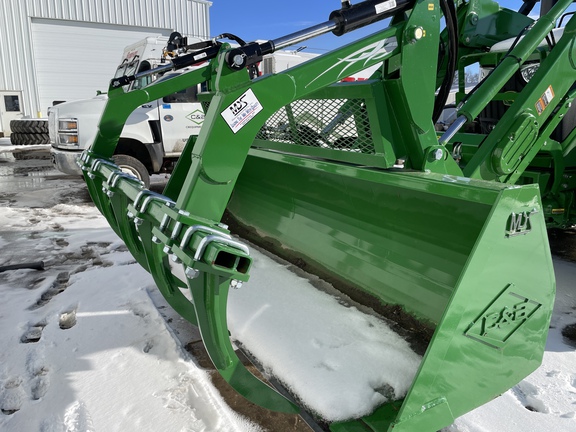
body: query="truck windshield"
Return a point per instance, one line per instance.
(145, 80)
(127, 68)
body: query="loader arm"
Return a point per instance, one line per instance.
(533, 139)
(510, 148)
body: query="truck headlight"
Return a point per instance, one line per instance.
(68, 125)
(68, 139)
(68, 132)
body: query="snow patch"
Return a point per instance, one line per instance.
(340, 362)
(77, 418)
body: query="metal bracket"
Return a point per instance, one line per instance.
(113, 179)
(150, 196)
(219, 239)
(200, 228)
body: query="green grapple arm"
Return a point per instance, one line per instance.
(439, 225)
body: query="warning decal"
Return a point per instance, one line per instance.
(242, 111)
(545, 100)
(385, 6)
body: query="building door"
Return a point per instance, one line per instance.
(10, 109)
(94, 65)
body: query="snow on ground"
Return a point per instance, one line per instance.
(85, 349)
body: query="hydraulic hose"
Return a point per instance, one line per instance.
(449, 11)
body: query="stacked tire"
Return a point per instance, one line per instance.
(29, 132)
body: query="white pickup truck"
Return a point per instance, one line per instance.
(155, 134)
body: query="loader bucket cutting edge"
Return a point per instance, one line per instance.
(357, 186)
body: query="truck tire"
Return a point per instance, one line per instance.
(29, 126)
(132, 166)
(29, 138)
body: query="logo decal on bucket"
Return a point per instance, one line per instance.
(519, 223)
(504, 317)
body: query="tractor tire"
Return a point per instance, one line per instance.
(29, 126)
(29, 138)
(132, 166)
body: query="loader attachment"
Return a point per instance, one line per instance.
(469, 258)
(351, 181)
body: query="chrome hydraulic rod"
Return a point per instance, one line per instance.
(176, 63)
(303, 35)
(341, 21)
(453, 129)
(127, 79)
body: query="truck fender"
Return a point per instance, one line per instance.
(150, 154)
(138, 128)
(156, 151)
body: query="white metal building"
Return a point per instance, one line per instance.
(57, 50)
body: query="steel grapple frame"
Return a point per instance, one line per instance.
(458, 242)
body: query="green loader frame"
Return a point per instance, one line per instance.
(353, 179)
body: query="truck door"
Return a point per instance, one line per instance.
(181, 115)
(10, 109)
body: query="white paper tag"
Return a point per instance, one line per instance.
(242, 111)
(385, 6)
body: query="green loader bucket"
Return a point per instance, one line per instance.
(468, 258)
(351, 180)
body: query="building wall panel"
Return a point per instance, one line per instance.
(17, 63)
(59, 54)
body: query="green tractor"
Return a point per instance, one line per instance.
(352, 178)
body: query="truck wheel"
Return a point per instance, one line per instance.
(132, 166)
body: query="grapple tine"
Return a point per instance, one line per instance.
(114, 206)
(160, 270)
(101, 201)
(155, 238)
(128, 228)
(210, 295)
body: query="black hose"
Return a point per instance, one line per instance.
(527, 7)
(449, 11)
(233, 37)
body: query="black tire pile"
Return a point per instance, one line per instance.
(29, 132)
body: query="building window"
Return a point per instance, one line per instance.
(12, 103)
